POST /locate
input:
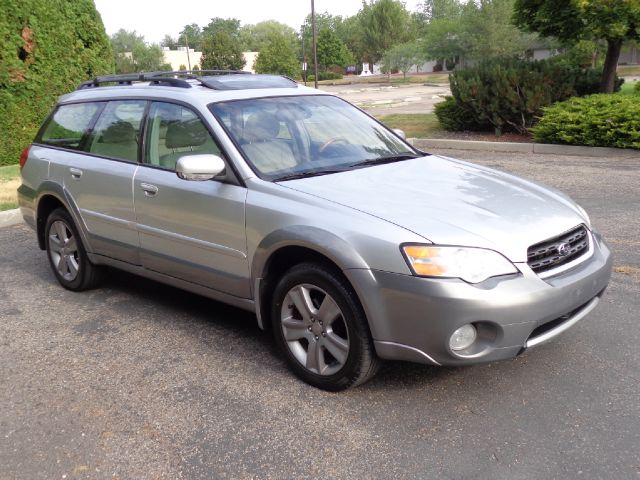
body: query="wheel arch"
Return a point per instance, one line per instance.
(51, 196)
(282, 249)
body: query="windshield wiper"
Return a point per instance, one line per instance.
(313, 173)
(390, 159)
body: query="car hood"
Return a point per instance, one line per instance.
(450, 202)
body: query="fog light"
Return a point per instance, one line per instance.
(463, 337)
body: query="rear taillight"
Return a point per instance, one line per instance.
(23, 157)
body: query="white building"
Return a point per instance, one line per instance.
(181, 57)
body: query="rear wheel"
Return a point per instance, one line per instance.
(67, 256)
(321, 328)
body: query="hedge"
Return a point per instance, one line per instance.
(605, 120)
(509, 93)
(47, 47)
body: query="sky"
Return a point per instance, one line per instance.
(155, 18)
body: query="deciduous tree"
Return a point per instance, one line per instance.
(278, 57)
(614, 21)
(383, 24)
(132, 54)
(221, 51)
(402, 57)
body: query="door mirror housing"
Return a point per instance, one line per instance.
(199, 167)
(400, 133)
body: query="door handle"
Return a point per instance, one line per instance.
(149, 190)
(76, 173)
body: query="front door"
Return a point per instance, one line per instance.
(190, 230)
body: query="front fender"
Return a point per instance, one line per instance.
(336, 249)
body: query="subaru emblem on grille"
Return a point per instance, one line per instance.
(563, 249)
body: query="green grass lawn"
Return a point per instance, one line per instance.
(9, 182)
(628, 88)
(415, 125)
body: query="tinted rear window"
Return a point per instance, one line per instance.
(69, 124)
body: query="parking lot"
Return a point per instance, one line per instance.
(141, 381)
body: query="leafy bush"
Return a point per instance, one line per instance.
(509, 94)
(324, 76)
(605, 120)
(637, 86)
(454, 117)
(47, 47)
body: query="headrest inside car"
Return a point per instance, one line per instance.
(186, 134)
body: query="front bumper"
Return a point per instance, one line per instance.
(412, 318)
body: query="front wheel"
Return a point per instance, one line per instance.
(67, 256)
(320, 327)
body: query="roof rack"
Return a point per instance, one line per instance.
(214, 79)
(158, 78)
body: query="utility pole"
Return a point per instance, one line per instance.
(186, 40)
(304, 57)
(315, 45)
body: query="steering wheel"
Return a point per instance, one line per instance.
(331, 141)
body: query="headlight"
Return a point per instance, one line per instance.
(585, 215)
(470, 264)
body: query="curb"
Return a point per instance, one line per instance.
(9, 218)
(514, 147)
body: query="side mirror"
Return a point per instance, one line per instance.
(400, 133)
(199, 167)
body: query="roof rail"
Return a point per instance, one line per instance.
(157, 78)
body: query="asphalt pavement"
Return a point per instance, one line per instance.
(137, 380)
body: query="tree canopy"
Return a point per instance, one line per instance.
(221, 51)
(383, 24)
(254, 38)
(574, 20)
(132, 54)
(473, 30)
(277, 57)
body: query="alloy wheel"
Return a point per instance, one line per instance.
(314, 329)
(63, 249)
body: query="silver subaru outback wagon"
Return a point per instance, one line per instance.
(348, 243)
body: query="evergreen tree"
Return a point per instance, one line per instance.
(47, 47)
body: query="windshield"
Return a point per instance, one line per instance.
(288, 137)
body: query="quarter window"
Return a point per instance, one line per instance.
(69, 125)
(117, 132)
(175, 131)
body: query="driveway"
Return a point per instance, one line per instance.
(386, 99)
(141, 381)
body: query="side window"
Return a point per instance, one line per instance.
(69, 124)
(174, 131)
(117, 132)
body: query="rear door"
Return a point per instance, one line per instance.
(190, 230)
(97, 169)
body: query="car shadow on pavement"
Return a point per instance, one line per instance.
(221, 322)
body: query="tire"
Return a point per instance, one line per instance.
(67, 255)
(321, 329)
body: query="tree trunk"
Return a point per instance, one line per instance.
(610, 66)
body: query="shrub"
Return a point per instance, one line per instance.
(454, 117)
(47, 47)
(605, 120)
(509, 94)
(637, 86)
(325, 76)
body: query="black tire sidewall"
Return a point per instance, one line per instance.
(83, 261)
(354, 320)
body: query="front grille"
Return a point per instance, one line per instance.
(558, 251)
